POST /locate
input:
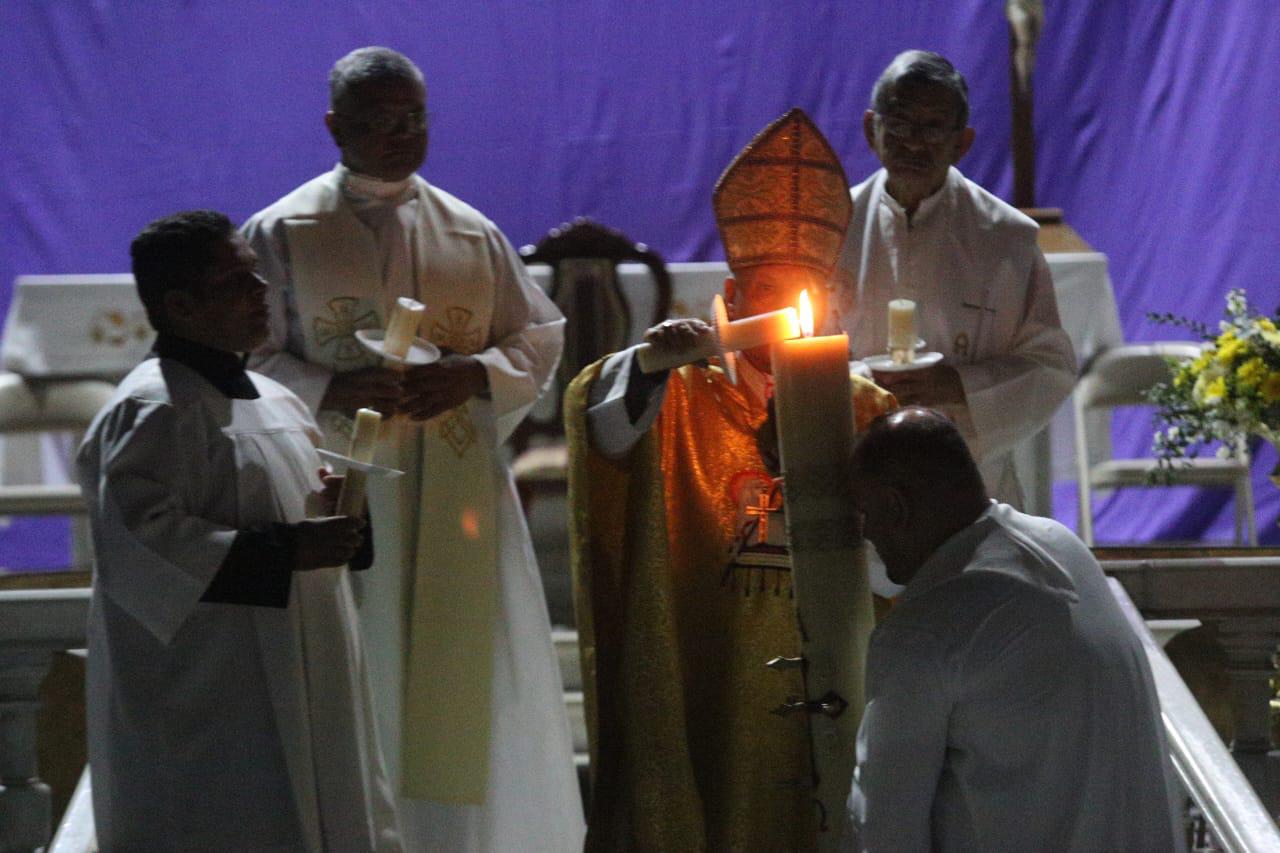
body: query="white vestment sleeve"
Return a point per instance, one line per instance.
(902, 742)
(526, 337)
(609, 425)
(155, 559)
(1013, 395)
(278, 357)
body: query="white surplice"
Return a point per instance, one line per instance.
(337, 252)
(1010, 706)
(984, 299)
(218, 726)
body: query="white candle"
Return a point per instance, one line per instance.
(902, 330)
(754, 331)
(402, 328)
(813, 397)
(364, 442)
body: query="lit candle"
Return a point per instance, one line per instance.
(902, 331)
(364, 441)
(754, 331)
(406, 314)
(813, 398)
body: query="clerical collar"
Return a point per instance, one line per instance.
(368, 188)
(222, 369)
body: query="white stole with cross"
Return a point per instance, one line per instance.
(444, 510)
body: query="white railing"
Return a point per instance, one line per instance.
(1200, 759)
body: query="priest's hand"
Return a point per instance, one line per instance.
(430, 389)
(325, 542)
(677, 335)
(369, 387)
(939, 385)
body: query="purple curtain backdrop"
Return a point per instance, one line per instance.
(1156, 127)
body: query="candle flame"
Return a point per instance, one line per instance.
(806, 314)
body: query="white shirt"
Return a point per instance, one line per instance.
(218, 726)
(984, 299)
(1009, 705)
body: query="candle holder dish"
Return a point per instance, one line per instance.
(346, 463)
(886, 364)
(420, 352)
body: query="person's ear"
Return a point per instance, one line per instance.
(899, 509)
(334, 124)
(869, 129)
(179, 305)
(965, 143)
(730, 293)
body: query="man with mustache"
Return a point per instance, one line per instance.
(921, 230)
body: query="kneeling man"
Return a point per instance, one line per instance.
(227, 698)
(1009, 704)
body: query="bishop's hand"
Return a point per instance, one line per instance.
(678, 335)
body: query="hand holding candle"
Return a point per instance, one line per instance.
(902, 331)
(729, 337)
(364, 441)
(402, 328)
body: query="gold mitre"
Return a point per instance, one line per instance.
(784, 199)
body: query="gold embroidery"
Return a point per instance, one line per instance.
(340, 329)
(457, 333)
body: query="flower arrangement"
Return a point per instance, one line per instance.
(1231, 390)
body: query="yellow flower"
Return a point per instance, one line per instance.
(1229, 346)
(1271, 388)
(1250, 374)
(1200, 363)
(1266, 325)
(1215, 390)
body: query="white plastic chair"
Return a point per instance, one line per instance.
(1119, 377)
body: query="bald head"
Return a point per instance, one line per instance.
(917, 485)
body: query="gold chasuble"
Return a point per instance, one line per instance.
(681, 600)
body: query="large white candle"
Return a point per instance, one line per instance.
(813, 397)
(364, 442)
(902, 330)
(754, 331)
(402, 328)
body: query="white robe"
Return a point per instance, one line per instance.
(1010, 706)
(984, 300)
(218, 726)
(456, 259)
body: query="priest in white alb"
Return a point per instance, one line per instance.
(466, 681)
(228, 704)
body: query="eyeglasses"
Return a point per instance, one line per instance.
(901, 128)
(383, 123)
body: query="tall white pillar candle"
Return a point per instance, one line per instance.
(364, 442)
(813, 397)
(402, 328)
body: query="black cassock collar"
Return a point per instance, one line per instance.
(223, 370)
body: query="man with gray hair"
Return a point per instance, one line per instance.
(1009, 704)
(922, 231)
(465, 678)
